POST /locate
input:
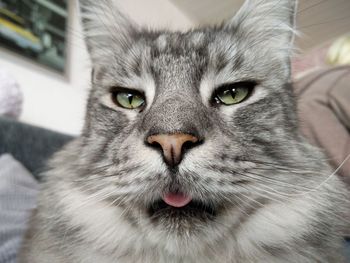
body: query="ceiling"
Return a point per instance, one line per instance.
(318, 20)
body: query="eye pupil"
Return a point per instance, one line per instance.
(233, 92)
(130, 98)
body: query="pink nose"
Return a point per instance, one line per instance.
(173, 145)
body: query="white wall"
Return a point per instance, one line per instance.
(51, 100)
(156, 13)
(58, 103)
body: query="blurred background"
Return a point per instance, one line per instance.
(42, 48)
(36, 29)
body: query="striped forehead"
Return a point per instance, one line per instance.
(178, 61)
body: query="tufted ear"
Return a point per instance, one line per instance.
(107, 31)
(266, 23)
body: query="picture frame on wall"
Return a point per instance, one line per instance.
(36, 29)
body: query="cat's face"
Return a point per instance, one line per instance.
(193, 120)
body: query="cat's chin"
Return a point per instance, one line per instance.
(187, 230)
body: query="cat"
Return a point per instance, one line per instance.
(190, 152)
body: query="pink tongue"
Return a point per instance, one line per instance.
(176, 200)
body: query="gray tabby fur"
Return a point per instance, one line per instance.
(275, 197)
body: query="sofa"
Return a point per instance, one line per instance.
(30, 145)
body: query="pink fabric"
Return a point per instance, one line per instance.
(313, 59)
(324, 113)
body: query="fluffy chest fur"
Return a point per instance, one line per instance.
(86, 230)
(190, 151)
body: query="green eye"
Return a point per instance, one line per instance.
(233, 93)
(128, 99)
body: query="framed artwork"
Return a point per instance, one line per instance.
(36, 29)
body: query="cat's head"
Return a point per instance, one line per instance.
(181, 128)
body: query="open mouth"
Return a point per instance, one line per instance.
(178, 206)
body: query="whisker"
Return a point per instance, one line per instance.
(311, 6)
(329, 177)
(264, 179)
(325, 22)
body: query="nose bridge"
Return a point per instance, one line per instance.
(177, 105)
(176, 114)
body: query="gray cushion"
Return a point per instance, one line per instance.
(30, 145)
